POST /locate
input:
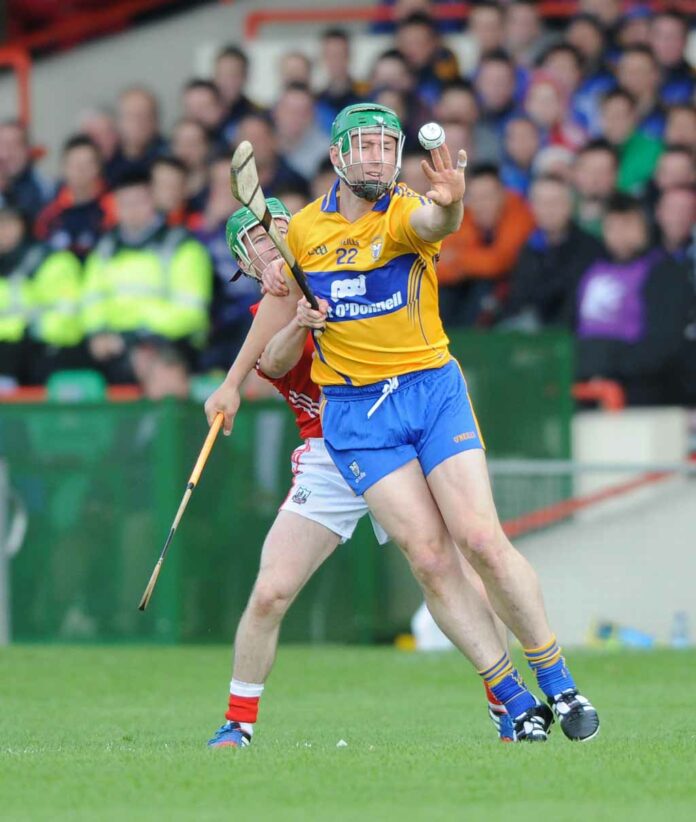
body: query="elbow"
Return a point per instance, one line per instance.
(273, 367)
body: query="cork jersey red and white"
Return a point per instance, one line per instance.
(300, 393)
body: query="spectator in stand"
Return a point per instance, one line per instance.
(546, 104)
(274, 172)
(608, 14)
(586, 35)
(556, 161)
(669, 33)
(634, 28)
(144, 280)
(160, 370)
(139, 134)
(99, 125)
(638, 73)
(191, 145)
(638, 153)
(681, 126)
(230, 75)
(295, 68)
(525, 35)
(294, 198)
(169, 190)
(675, 217)
(340, 89)
(391, 72)
(522, 142)
(302, 142)
(229, 309)
(631, 310)
(432, 63)
(202, 101)
(458, 104)
(40, 328)
(323, 179)
(595, 173)
(564, 63)
(675, 169)
(476, 261)
(545, 279)
(24, 187)
(405, 8)
(495, 86)
(412, 171)
(83, 209)
(487, 27)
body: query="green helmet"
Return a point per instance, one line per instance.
(371, 118)
(240, 224)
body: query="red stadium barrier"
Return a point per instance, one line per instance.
(559, 511)
(255, 20)
(81, 26)
(38, 394)
(20, 62)
(609, 395)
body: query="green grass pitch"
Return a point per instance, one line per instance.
(118, 733)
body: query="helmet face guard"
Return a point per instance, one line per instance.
(254, 255)
(354, 122)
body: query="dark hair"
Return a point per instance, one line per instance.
(80, 141)
(325, 166)
(189, 121)
(391, 54)
(335, 34)
(620, 203)
(206, 85)
(458, 84)
(681, 107)
(295, 86)
(233, 51)
(590, 20)
(170, 162)
(532, 4)
(497, 56)
(599, 144)
(132, 178)
(639, 48)
(484, 170)
(620, 94)
(418, 18)
(259, 116)
(562, 48)
(675, 15)
(678, 148)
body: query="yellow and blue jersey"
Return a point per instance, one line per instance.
(379, 279)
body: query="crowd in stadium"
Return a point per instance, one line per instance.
(580, 204)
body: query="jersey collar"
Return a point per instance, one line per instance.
(330, 202)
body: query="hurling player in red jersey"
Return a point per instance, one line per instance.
(320, 510)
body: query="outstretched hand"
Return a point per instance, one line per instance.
(447, 183)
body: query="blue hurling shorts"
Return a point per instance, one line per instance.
(372, 430)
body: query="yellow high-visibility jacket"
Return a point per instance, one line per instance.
(41, 297)
(162, 287)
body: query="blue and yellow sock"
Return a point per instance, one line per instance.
(508, 687)
(550, 668)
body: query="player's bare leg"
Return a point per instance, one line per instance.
(462, 491)
(402, 504)
(496, 710)
(294, 549)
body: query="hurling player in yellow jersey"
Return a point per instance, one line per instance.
(397, 418)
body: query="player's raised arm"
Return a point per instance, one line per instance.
(435, 221)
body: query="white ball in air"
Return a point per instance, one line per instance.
(431, 136)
